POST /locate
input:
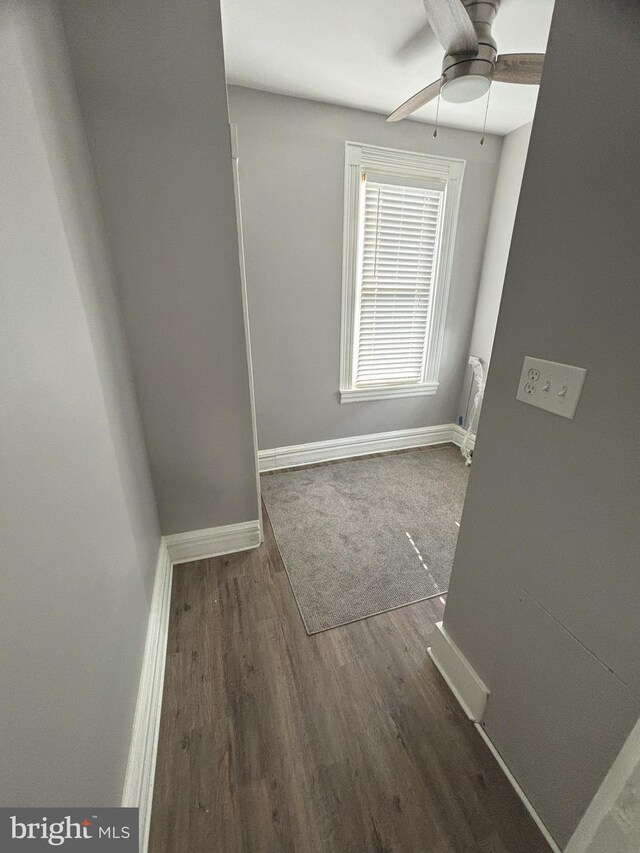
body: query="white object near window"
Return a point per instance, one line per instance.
(399, 229)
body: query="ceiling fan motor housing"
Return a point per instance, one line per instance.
(466, 77)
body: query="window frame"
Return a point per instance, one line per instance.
(379, 163)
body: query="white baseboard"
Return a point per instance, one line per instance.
(178, 548)
(514, 784)
(213, 541)
(472, 695)
(459, 433)
(359, 445)
(141, 765)
(456, 670)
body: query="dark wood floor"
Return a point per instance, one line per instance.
(348, 741)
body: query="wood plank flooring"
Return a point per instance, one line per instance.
(348, 741)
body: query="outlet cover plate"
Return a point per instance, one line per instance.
(551, 386)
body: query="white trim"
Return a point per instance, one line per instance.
(458, 435)
(235, 155)
(466, 686)
(385, 392)
(613, 815)
(350, 265)
(141, 765)
(358, 445)
(213, 541)
(514, 784)
(361, 158)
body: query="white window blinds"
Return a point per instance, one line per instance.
(400, 237)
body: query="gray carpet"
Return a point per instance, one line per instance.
(361, 537)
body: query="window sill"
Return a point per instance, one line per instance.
(388, 392)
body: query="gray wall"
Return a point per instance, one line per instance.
(291, 180)
(494, 264)
(79, 537)
(545, 586)
(611, 824)
(496, 252)
(150, 79)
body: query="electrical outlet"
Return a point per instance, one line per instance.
(551, 386)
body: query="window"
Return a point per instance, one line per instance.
(400, 214)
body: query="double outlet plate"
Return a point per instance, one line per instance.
(551, 386)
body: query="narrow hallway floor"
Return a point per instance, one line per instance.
(347, 741)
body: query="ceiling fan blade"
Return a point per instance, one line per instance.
(519, 68)
(416, 101)
(452, 25)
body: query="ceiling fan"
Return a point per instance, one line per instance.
(471, 61)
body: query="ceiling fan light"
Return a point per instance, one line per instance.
(469, 87)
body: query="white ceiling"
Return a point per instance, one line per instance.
(366, 54)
